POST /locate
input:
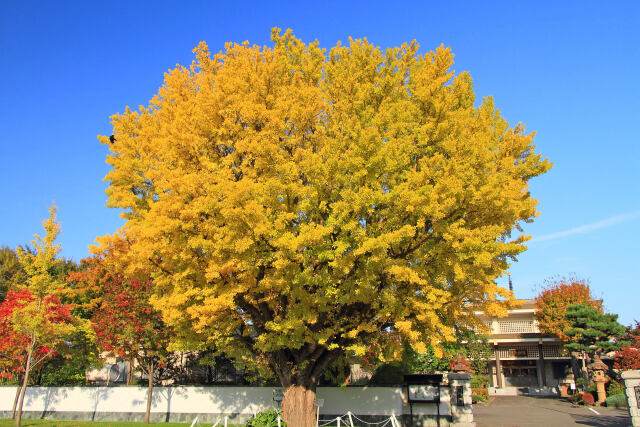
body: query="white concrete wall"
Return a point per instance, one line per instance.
(220, 400)
(632, 380)
(361, 400)
(212, 400)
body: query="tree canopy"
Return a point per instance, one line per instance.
(293, 203)
(127, 325)
(592, 331)
(37, 313)
(628, 357)
(11, 272)
(553, 300)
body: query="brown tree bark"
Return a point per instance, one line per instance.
(299, 373)
(149, 392)
(130, 371)
(15, 401)
(298, 406)
(24, 381)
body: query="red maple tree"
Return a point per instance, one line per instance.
(12, 344)
(128, 327)
(628, 358)
(30, 331)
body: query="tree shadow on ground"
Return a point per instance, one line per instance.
(602, 421)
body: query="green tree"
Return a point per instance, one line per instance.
(293, 203)
(426, 362)
(475, 348)
(469, 344)
(11, 271)
(592, 332)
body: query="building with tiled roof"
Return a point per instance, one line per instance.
(523, 356)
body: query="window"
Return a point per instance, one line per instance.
(515, 326)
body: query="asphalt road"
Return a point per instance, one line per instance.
(524, 411)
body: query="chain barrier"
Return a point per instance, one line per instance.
(351, 416)
(275, 423)
(339, 421)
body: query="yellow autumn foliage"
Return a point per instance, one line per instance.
(39, 262)
(294, 203)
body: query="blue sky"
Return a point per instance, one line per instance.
(568, 70)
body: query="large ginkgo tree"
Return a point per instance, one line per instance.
(293, 203)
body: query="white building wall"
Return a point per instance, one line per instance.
(209, 400)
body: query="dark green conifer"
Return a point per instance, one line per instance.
(593, 332)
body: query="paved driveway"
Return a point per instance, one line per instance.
(524, 411)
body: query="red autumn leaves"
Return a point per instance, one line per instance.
(17, 308)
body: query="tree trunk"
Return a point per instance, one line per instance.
(575, 370)
(24, 381)
(130, 372)
(298, 373)
(298, 405)
(15, 400)
(84, 360)
(149, 392)
(585, 374)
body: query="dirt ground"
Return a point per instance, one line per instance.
(524, 411)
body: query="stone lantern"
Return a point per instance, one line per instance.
(598, 368)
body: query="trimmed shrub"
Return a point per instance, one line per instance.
(614, 388)
(479, 394)
(617, 400)
(587, 398)
(479, 381)
(388, 374)
(266, 419)
(478, 398)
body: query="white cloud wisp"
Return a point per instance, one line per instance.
(583, 229)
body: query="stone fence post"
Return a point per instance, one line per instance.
(461, 404)
(632, 389)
